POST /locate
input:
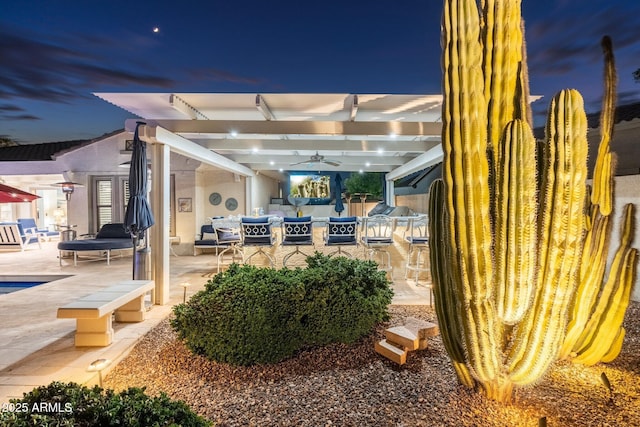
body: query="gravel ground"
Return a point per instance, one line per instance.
(351, 385)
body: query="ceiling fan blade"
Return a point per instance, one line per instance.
(332, 162)
(299, 163)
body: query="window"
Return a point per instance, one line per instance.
(111, 196)
(104, 202)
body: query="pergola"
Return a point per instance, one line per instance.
(267, 133)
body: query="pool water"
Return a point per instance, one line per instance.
(8, 287)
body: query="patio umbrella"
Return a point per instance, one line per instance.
(138, 217)
(339, 206)
(10, 194)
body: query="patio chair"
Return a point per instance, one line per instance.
(341, 231)
(417, 234)
(296, 231)
(30, 223)
(13, 236)
(377, 236)
(229, 240)
(257, 232)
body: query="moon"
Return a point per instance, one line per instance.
(156, 29)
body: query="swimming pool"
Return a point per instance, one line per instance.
(9, 284)
(7, 287)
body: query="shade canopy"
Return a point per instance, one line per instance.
(339, 205)
(138, 216)
(10, 194)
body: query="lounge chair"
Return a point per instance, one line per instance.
(30, 223)
(110, 237)
(13, 236)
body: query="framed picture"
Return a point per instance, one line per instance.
(184, 205)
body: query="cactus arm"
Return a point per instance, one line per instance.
(443, 288)
(602, 340)
(613, 301)
(592, 269)
(616, 347)
(502, 40)
(560, 244)
(465, 172)
(603, 175)
(515, 220)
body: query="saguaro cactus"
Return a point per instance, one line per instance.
(508, 221)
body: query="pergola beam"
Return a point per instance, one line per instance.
(431, 157)
(180, 145)
(417, 146)
(272, 127)
(264, 109)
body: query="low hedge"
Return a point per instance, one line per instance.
(71, 404)
(249, 315)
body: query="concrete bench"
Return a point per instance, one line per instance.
(93, 313)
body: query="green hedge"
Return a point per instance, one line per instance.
(70, 404)
(249, 315)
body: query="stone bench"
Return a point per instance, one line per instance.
(93, 313)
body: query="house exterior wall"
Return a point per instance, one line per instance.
(627, 190)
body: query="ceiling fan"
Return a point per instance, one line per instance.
(317, 158)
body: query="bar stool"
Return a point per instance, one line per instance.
(257, 232)
(417, 234)
(296, 231)
(377, 236)
(341, 232)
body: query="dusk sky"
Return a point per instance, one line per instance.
(55, 54)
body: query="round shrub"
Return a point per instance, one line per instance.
(70, 404)
(249, 315)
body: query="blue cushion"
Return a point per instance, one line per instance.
(258, 241)
(297, 219)
(95, 244)
(418, 240)
(377, 240)
(113, 231)
(206, 242)
(341, 240)
(343, 219)
(259, 220)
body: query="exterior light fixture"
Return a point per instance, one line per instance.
(68, 187)
(185, 285)
(98, 366)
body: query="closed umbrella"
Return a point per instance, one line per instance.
(339, 206)
(138, 217)
(10, 194)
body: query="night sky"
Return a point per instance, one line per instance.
(55, 53)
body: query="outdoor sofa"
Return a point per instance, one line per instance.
(110, 237)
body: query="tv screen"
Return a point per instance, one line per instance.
(315, 187)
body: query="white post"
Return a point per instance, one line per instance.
(159, 233)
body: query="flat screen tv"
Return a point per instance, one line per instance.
(316, 187)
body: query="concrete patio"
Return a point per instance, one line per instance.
(38, 348)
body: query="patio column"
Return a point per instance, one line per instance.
(159, 233)
(249, 197)
(389, 192)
